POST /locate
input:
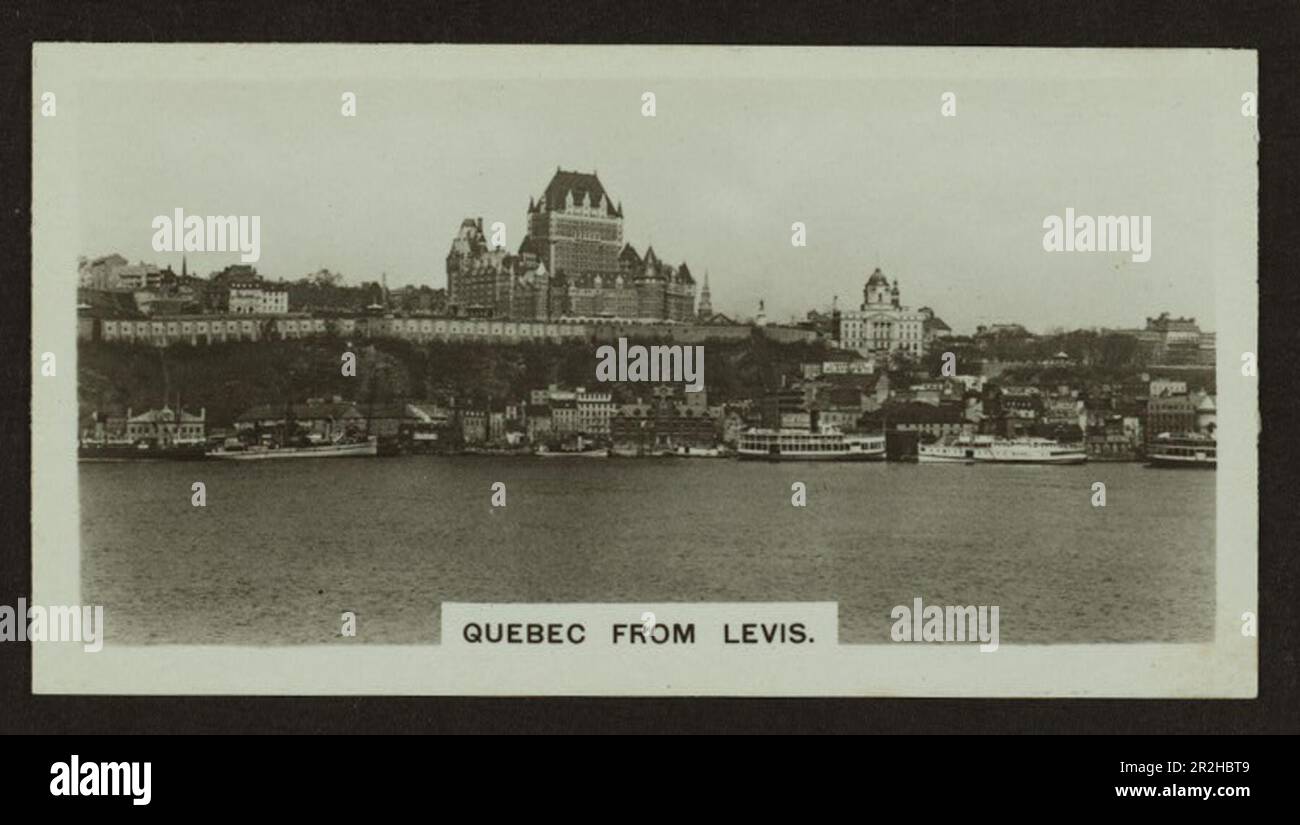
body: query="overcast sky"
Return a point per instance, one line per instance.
(952, 207)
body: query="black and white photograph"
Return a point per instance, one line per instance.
(626, 370)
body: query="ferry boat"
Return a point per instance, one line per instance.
(336, 449)
(127, 450)
(1182, 450)
(988, 449)
(700, 452)
(580, 447)
(828, 444)
(588, 452)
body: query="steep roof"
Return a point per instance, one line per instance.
(529, 247)
(581, 185)
(629, 255)
(719, 319)
(164, 416)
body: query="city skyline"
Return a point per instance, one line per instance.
(718, 177)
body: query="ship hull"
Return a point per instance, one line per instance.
(327, 451)
(1070, 459)
(924, 458)
(1171, 463)
(751, 455)
(1009, 452)
(987, 459)
(131, 453)
(1183, 452)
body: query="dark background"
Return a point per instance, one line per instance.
(1271, 27)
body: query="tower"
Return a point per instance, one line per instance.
(876, 293)
(576, 225)
(706, 300)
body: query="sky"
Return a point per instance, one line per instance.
(953, 207)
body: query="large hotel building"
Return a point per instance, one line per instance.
(573, 263)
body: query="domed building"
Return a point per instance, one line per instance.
(881, 324)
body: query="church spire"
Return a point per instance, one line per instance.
(706, 302)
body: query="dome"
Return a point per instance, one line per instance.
(877, 279)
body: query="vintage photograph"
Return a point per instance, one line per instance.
(525, 353)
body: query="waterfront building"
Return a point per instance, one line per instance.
(595, 409)
(166, 427)
(786, 408)
(664, 422)
(537, 421)
(564, 416)
(1110, 438)
(840, 407)
(105, 424)
(474, 426)
(1171, 414)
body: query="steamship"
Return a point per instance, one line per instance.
(988, 449)
(826, 444)
(1182, 450)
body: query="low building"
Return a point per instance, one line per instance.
(537, 422)
(662, 424)
(1171, 414)
(166, 427)
(595, 409)
(473, 426)
(564, 416)
(257, 298)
